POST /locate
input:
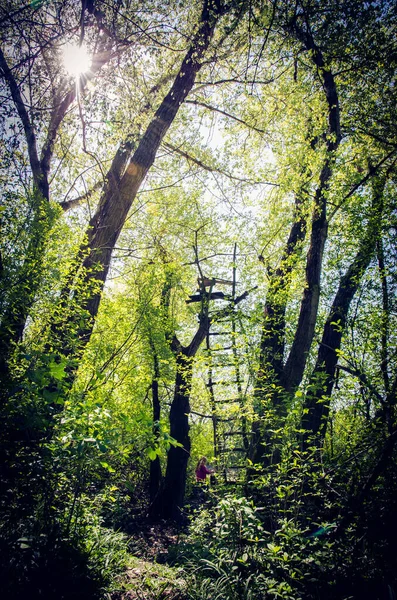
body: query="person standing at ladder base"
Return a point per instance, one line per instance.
(202, 470)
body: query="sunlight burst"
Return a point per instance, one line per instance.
(76, 59)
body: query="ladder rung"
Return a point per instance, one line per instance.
(220, 333)
(222, 382)
(227, 401)
(220, 349)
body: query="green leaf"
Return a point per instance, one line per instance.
(50, 397)
(108, 467)
(57, 370)
(151, 452)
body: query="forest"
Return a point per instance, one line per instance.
(198, 259)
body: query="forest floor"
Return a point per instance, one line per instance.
(154, 571)
(148, 576)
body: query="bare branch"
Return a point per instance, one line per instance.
(212, 169)
(226, 114)
(68, 204)
(234, 80)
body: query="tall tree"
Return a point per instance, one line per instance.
(285, 377)
(37, 67)
(278, 375)
(133, 161)
(316, 406)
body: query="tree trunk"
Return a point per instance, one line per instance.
(119, 193)
(173, 493)
(108, 221)
(170, 500)
(20, 299)
(285, 378)
(316, 407)
(19, 302)
(155, 466)
(267, 398)
(296, 362)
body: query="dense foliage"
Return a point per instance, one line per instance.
(198, 257)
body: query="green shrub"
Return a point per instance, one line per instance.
(239, 559)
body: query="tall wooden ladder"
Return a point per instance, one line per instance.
(227, 387)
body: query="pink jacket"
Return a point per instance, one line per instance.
(202, 472)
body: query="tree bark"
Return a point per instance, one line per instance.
(316, 406)
(285, 378)
(115, 203)
(273, 328)
(170, 500)
(155, 466)
(173, 493)
(296, 362)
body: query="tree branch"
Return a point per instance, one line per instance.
(69, 204)
(363, 378)
(323, 376)
(106, 224)
(224, 113)
(371, 172)
(211, 169)
(27, 126)
(59, 111)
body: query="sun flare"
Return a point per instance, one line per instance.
(76, 59)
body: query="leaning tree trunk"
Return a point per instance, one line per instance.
(273, 338)
(116, 200)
